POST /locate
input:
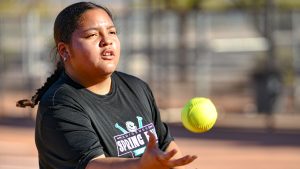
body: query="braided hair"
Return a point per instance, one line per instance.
(65, 24)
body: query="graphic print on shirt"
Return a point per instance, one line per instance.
(133, 139)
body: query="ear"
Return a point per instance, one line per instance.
(63, 50)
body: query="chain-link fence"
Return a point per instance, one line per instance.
(209, 54)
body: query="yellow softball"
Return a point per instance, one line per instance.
(199, 115)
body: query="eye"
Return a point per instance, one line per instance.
(113, 32)
(91, 35)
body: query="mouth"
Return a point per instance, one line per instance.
(107, 54)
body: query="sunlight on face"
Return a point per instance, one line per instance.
(95, 47)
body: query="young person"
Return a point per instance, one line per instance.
(90, 115)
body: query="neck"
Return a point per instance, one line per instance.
(100, 85)
(102, 88)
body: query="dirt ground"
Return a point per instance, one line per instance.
(220, 148)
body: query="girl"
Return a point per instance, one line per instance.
(90, 115)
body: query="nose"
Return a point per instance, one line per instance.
(105, 41)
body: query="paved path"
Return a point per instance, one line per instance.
(221, 148)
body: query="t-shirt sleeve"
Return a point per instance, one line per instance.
(163, 132)
(65, 134)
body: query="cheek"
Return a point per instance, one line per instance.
(118, 46)
(76, 48)
(83, 50)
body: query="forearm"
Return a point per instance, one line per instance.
(152, 158)
(172, 146)
(113, 163)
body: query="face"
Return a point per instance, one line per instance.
(94, 49)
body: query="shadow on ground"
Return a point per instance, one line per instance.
(24, 122)
(244, 136)
(263, 137)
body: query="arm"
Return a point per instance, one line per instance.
(152, 158)
(102, 162)
(174, 146)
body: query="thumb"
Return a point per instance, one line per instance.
(152, 141)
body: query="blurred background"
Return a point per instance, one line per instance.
(242, 54)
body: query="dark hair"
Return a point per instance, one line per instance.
(65, 24)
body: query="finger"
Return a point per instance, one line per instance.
(167, 155)
(152, 141)
(182, 161)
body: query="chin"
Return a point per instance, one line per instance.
(108, 71)
(107, 68)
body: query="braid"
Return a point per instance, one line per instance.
(40, 92)
(66, 22)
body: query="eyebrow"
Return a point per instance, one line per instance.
(96, 28)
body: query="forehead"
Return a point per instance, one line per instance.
(94, 17)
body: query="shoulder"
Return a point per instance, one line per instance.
(126, 76)
(60, 93)
(61, 102)
(129, 79)
(133, 84)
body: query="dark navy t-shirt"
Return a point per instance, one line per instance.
(75, 125)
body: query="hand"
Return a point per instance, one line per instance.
(155, 158)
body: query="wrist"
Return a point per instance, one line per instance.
(139, 164)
